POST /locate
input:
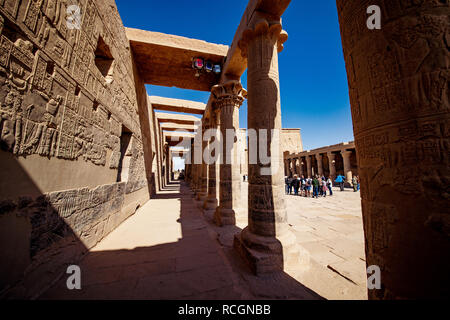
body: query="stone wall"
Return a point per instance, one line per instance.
(291, 141)
(65, 95)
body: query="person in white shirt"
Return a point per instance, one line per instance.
(330, 185)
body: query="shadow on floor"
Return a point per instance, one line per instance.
(197, 266)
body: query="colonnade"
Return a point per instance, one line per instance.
(266, 244)
(399, 91)
(301, 164)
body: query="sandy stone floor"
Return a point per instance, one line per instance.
(329, 230)
(171, 250)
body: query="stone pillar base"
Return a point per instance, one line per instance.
(210, 203)
(224, 217)
(268, 254)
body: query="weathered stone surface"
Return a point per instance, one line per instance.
(177, 105)
(291, 141)
(228, 98)
(399, 91)
(177, 118)
(168, 126)
(65, 96)
(266, 244)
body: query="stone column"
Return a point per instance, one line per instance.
(228, 98)
(170, 165)
(193, 172)
(297, 166)
(300, 160)
(332, 165)
(191, 164)
(197, 162)
(202, 192)
(319, 158)
(266, 244)
(186, 173)
(347, 165)
(399, 92)
(211, 201)
(286, 167)
(291, 168)
(194, 167)
(167, 168)
(308, 166)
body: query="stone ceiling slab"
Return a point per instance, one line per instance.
(177, 105)
(169, 126)
(177, 118)
(176, 139)
(166, 60)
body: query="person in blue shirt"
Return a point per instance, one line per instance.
(340, 180)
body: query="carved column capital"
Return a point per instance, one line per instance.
(346, 153)
(229, 93)
(261, 24)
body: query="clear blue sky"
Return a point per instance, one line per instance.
(314, 91)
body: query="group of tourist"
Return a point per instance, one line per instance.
(317, 186)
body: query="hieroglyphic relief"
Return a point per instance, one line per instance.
(136, 175)
(399, 80)
(51, 214)
(55, 101)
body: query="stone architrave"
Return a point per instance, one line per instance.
(398, 80)
(266, 244)
(228, 97)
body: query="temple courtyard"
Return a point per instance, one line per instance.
(171, 250)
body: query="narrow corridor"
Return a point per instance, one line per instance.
(157, 253)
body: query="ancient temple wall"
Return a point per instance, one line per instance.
(65, 95)
(291, 141)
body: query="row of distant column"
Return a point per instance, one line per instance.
(266, 243)
(295, 165)
(227, 99)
